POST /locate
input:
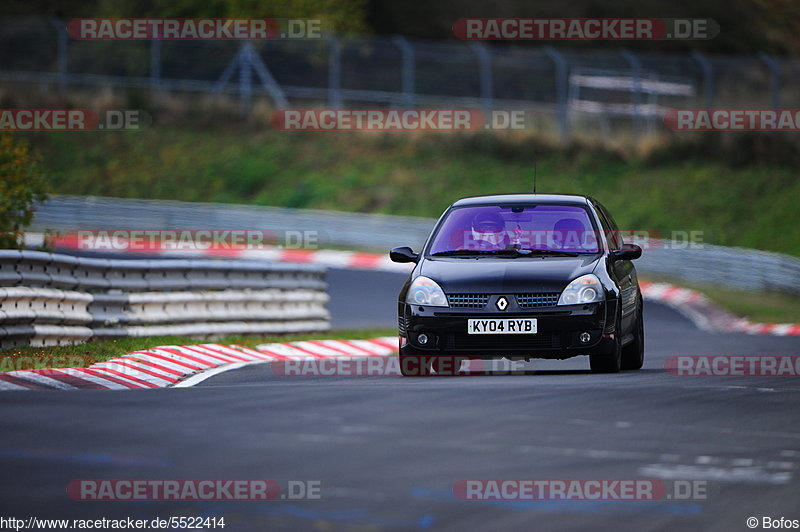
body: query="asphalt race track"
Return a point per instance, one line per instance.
(388, 450)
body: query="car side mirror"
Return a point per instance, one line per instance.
(627, 252)
(403, 254)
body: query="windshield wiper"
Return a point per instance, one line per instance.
(457, 252)
(553, 252)
(511, 252)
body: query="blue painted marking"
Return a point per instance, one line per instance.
(426, 521)
(83, 457)
(667, 507)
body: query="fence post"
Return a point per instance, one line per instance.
(62, 41)
(155, 64)
(562, 83)
(245, 78)
(485, 65)
(775, 79)
(708, 77)
(335, 73)
(268, 80)
(636, 68)
(407, 72)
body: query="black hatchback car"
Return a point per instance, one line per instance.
(521, 276)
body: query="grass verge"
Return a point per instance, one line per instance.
(84, 355)
(737, 193)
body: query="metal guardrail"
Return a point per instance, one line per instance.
(333, 229)
(740, 268)
(60, 299)
(36, 268)
(22, 304)
(732, 267)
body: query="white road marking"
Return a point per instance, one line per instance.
(781, 465)
(207, 374)
(754, 475)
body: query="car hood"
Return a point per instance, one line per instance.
(500, 276)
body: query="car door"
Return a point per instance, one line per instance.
(623, 273)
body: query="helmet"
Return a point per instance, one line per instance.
(488, 222)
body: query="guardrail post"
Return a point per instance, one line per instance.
(245, 78)
(562, 87)
(708, 78)
(227, 74)
(407, 72)
(334, 73)
(155, 64)
(62, 40)
(267, 79)
(775, 79)
(636, 68)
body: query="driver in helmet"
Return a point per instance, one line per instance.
(488, 231)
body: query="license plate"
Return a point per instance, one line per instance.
(502, 326)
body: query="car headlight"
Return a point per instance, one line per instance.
(424, 291)
(584, 289)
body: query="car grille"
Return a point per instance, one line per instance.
(538, 300)
(401, 325)
(500, 342)
(468, 300)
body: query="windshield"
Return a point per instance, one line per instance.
(489, 229)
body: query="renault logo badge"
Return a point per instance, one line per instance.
(502, 303)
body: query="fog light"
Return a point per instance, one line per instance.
(585, 337)
(422, 339)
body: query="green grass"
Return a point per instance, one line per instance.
(739, 190)
(761, 307)
(84, 355)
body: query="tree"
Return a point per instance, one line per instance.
(22, 186)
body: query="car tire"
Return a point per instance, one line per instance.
(633, 353)
(609, 362)
(415, 365)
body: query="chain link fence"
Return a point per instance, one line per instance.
(567, 88)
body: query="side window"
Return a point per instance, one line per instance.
(612, 230)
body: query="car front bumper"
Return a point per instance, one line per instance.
(557, 336)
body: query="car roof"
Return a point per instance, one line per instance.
(510, 199)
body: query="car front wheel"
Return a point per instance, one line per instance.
(633, 353)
